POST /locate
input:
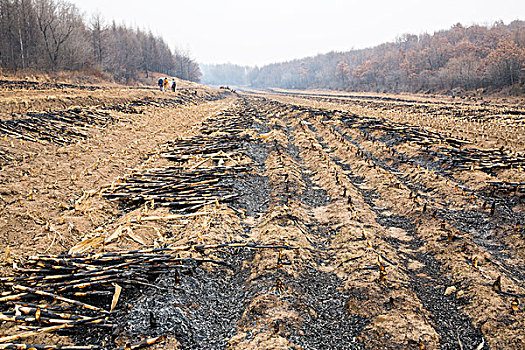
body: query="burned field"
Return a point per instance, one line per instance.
(212, 220)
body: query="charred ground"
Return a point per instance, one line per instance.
(264, 220)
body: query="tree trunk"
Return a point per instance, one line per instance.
(21, 48)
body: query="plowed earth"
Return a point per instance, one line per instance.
(402, 214)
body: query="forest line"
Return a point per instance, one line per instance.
(462, 57)
(52, 35)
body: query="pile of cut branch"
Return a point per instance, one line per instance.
(184, 149)
(184, 191)
(58, 127)
(481, 159)
(34, 85)
(408, 133)
(188, 188)
(226, 122)
(507, 187)
(65, 294)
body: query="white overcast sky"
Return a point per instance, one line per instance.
(266, 31)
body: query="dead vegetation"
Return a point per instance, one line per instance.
(212, 220)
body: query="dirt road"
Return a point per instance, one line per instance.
(363, 223)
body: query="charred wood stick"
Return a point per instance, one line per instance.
(195, 166)
(192, 204)
(41, 270)
(46, 277)
(58, 297)
(190, 200)
(46, 320)
(48, 329)
(153, 261)
(143, 344)
(12, 346)
(78, 276)
(182, 193)
(172, 216)
(144, 284)
(92, 294)
(97, 262)
(85, 285)
(18, 135)
(89, 279)
(13, 297)
(112, 263)
(40, 306)
(49, 313)
(203, 201)
(152, 254)
(65, 264)
(173, 263)
(198, 247)
(172, 197)
(160, 268)
(48, 134)
(172, 186)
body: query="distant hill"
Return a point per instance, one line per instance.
(460, 58)
(225, 74)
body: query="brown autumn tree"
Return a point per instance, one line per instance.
(505, 62)
(468, 57)
(343, 72)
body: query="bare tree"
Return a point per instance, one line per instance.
(51, 35)
(186, 67)
(57, 22)
(343, 72)
(97, 33)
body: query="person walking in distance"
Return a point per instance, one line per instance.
(174, 86)
(161, 83)
(166, 84)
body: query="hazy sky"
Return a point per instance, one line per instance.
(265, 31)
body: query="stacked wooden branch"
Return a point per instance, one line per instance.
(34, 85)
(66, 126)
(189, 189)
(51, 294)
(507, 187)
(55, 293)
(58, 127)
(408, 133)
(137, 106)
(458, 110)
(227, 123)
(481, 159)
(19, 84)
(181, 190)
(453, 156)
(183, 97)
(185, 149)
